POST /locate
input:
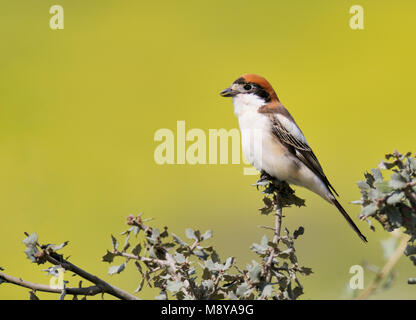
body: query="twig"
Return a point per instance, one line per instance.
(188, 289)
(88, 291)
(386, 270)
(276, 236)
(267, 227)
(56, 259)
(193, 246)
(143, 259)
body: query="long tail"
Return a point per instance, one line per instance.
(349, 220)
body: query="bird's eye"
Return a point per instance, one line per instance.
(247, 87)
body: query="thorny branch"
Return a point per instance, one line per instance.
(48, 253)
(193, 270)
(86, 291)
(276, 236)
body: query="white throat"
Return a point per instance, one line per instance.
(254, 126)
(248, 102)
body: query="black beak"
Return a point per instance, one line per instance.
(228, 92)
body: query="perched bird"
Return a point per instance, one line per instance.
(284, 152)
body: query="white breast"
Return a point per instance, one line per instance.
(259, 145)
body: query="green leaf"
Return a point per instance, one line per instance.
(369, 210)
(152, 252)
(305, 270)
(32, 296)
(140, 287)
(242, 289)
(126, 243)
(375, 194)
(394, 215)
(377, 175)
(190, 234)
(178, 240)
(115, 242)
(397, 181)
(228, 263)
(300, 231)
(59, 247)
(136, 230)
(383, 186)
(30, 243)
(268, 206)
(137, 249)
(179, 258)
(369, 178)
(116, 269)
(396, 197)
(156, 232)
(363, 185)
(384, 165)
(297, 292)
(255, 272)
(207, 235)
(201, 254)
(410, 250)
(267, 291)
(214, 256)
(206, 274)
(412, 163)
(208, 285)
(211, 266)
(108, 257)
(262, 247)
(174, 286)
(285, 254)
(139, 267)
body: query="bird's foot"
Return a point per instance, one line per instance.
(265, 179)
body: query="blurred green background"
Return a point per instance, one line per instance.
(79, 108)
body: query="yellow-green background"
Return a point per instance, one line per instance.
(79, 108)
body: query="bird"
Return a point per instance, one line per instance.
(274, 144)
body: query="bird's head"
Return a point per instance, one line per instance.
(251, 86)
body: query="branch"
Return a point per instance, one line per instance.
(386, 270)
(140, 258)
(88, 291)
(105, 287)
(276, 236)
